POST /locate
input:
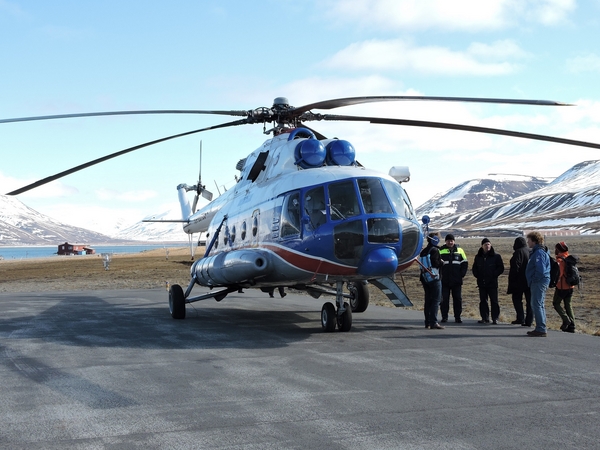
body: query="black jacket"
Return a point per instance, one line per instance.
(455, 265)
(487, 268)
(517, 281)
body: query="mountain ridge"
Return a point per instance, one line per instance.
(502, 204)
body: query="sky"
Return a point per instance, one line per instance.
(66, 57)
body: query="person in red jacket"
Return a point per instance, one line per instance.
(563, 291)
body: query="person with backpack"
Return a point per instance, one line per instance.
(517, 283)
(431, 263)
(487, 267)
(564, 287)
(538, 279)
(453, 272)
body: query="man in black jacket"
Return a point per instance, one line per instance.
(431, 263)
(517, 283)
(487, 267)
(453, 272)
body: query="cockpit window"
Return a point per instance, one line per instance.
(373, 196)
(399, 198)
(343, 201)
(290, 215)
(314, 207)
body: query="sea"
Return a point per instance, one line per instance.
(42, 252)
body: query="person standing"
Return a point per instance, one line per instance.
(563, 291)
(517, 283)
(487, 267)
(454, 270)
(538, 279)
(431, 263)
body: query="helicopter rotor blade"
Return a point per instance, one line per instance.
(453, 126)
(119, 153)
(340, 102)
(125, 113)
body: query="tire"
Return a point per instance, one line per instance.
(328, 317)
(176, 302)
(359, 299)
(344, 321)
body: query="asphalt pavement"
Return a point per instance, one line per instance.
(112, 369)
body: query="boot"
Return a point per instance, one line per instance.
(565, 325)
(571, 328)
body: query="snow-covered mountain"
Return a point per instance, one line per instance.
(571, 201)
(474, 194)
(500, 204)
(21, 225)
(155, 231)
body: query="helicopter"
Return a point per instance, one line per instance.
(304, 213)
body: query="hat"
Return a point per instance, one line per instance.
(433, 238)
(484, 240)
(449, 237)
(562, 247)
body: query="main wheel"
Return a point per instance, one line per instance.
(176, 302)
(359, 296)
(328, 317)
(344, 320)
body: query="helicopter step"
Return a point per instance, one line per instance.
(392, 291)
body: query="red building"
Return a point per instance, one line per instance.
(75, 249)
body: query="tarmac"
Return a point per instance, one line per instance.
(112, 369)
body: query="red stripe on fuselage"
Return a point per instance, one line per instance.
(310, 263)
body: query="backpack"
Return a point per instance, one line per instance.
(572, 276)
(431, 274)
(554, 272)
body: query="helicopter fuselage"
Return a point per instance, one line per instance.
(285, 224)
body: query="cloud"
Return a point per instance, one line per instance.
(584, 63)
(399, 55)
(444, 15)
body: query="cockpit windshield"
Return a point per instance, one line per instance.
(343, 202)
(373, 196)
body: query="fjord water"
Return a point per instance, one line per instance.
(44, 251)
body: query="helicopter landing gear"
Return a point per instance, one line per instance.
(359, 296)
(328, 317)
(342, 317)
(176, 302)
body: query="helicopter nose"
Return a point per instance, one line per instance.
(379, 262)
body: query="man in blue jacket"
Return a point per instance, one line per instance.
(538, 279)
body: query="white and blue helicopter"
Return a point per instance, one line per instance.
(304, 213)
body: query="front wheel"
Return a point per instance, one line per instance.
(359, 296)
(176, 302)
(344, 320)
(328, 317)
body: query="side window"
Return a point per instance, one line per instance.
(342, 200)
(290, 215)
(314, 206)
(373, 196)
(254, 226)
